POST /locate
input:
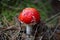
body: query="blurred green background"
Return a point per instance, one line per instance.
(11, 8)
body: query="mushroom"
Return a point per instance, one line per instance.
(29, 17)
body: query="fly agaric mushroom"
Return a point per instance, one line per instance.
(29, 17)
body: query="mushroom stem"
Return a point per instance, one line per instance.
(28, 30)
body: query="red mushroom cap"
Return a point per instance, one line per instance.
(29, 15)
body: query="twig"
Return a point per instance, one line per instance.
(5, 21)
(49, 19)
(13, 27)
(36, 32)
(53, 32)
(57, 25)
